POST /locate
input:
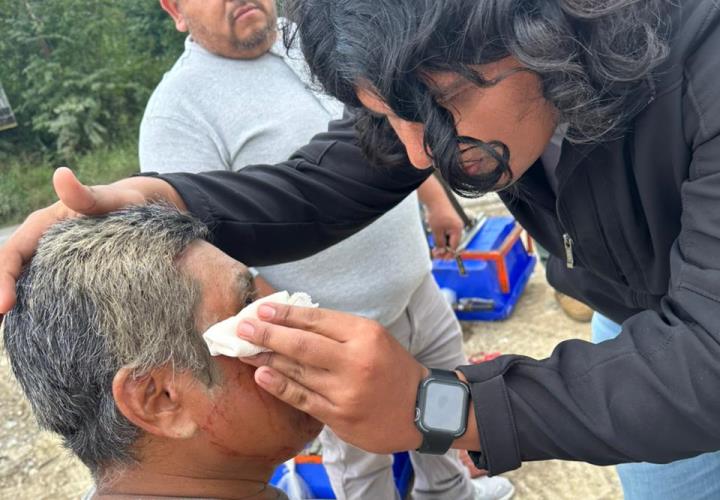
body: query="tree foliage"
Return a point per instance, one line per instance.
(79, 72)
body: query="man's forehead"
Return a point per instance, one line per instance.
(225, 283)
(201, 257)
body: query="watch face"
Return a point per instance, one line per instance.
(445, 407)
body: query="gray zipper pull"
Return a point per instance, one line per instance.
(569, 259)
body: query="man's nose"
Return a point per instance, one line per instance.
(411, 135)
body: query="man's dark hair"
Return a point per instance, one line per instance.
(591, 56)
(102, 293)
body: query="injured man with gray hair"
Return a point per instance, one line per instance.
(105, 340)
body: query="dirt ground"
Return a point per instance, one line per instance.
(34, 466)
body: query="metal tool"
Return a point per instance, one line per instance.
(474, 304)
(471, 227)
(470, 233)
(467, 304)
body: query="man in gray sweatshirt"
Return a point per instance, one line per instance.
(236, 97)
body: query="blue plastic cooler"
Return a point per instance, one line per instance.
(498, 267)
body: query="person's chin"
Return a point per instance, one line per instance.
(297, 432)
(304, 426)
(316, 426)
(309, 425)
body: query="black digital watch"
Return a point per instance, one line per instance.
(441, 410)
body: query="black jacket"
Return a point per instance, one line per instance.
(640, 218)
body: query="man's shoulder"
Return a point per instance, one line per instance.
(186, 76)
(182, 88)
(170, 97)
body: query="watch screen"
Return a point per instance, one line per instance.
(444, 407)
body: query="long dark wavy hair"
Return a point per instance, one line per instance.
(591, 57)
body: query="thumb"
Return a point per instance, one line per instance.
(74, 194)
(91, 200)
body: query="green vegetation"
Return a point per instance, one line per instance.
(77, 74)
(25, 182)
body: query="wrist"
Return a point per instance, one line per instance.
(441, 410)
(436, 207)
(416, 437)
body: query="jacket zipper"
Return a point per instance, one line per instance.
(568, 242)
(569, 258)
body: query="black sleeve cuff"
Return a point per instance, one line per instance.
(195, 199)
(496, 425)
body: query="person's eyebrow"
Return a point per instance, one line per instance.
(245, 287)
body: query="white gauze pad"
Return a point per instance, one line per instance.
(221, 338)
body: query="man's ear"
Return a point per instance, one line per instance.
(171, 7)
(157, 402)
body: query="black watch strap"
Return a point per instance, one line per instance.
(435, 442)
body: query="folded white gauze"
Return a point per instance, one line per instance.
(222, 339)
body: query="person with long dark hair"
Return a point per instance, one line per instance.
(598, 123)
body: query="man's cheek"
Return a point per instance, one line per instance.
(236, 372)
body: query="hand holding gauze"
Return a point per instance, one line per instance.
(222, 339)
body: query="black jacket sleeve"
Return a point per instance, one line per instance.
(652, 394)
(327, 191)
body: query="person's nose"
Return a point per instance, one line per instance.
(412, 136)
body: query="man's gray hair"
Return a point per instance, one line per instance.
(102, 293)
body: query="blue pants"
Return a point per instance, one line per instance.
(695, 478)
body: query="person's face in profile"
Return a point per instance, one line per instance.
(231, 421)
(242, 29)
(237, 412)
(513, 111)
